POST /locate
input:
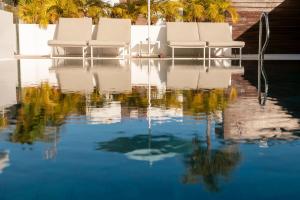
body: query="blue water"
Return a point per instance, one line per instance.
(81, 170)
(189, 155)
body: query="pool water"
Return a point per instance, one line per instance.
(147, 129)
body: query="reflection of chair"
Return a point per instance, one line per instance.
(72, 79)
(183, 77)
(72, 32)
(112, 33)
(112, 78)
(184, 35)
(195, 77)
(215, 78)
(218, 35)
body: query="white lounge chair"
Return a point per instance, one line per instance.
(184, 35)
(72, 32)
(218, 35)
(112, 33)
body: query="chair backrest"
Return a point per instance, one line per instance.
(182, 32)
(216, 32)
(112, 29)
(121, 81)
(74, 29)
(74, 79)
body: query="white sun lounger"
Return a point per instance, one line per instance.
(218, 35)
(71, 32)
(184, 35)
(112, 33)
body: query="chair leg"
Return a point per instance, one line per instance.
(51, 52)
(129, 51)
(123, 53)
(240, 57)
(83, 56)
(57, 51)
(173, 63)
(140, 49)
(204, 56)
(209, 56)
(92, 56)
(173, 52)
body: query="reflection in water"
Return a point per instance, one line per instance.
(194, 117)
(108, 93)
(114, 90)
(246, 120)
(197, 77)
(43, 108)
(207, 166)
(4, 160)
(3, 120)
(146, 147)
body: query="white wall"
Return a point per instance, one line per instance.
(34, 39)
(36, 71)
(7, 35)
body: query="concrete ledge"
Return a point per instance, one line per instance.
(272, 57)
(245, 57)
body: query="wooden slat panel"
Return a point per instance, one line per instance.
(284, 24)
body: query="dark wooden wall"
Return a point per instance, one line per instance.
(284, 16)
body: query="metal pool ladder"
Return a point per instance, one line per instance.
(262, 96)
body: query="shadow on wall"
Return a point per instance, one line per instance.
(284, 27)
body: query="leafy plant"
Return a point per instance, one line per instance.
(48, 11)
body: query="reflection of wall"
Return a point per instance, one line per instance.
(7, 35)
(108, 114)
(246, 119)
(34, 72)
(8, 83)
(4, 160)
(157, 75)
(161, 115)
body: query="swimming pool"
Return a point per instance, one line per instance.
(147, 129)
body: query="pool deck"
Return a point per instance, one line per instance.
(290, 57)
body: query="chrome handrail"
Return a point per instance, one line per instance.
(261, 56)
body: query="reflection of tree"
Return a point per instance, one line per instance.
(206, 101)
(205, 164)
(3, 121)
(147, 147)
(165, 143)
(208, 166)
(137, 98)
(42, 109)
(192, 101)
